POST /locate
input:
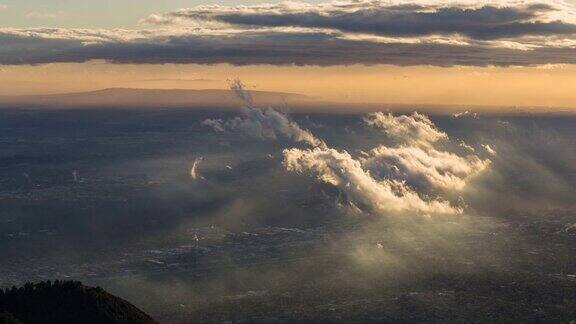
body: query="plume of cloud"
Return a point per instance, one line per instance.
(194, 170)
(241, 93)
(416, 129)
(262, 123)
(346, 173)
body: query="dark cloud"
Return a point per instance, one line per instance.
(356, 32)
(407, 21)
(277, 48)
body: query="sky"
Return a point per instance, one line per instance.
(488, 52)
(93, 13)
(98, 13)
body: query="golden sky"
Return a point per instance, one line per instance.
(551, 85)
(365, 51)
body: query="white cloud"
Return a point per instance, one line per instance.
(216, 124)
(269, 124)
(424, 167)
(416, 160)
(489, 149)
(465, 114)
(262, 123)
(466, 146)
(194, 170)
(346, 173)
(394, 179)
(416, 129)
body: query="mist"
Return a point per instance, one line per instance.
(334, 214)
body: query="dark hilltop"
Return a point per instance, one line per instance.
(66, 302)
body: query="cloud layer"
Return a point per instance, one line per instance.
(396, 32)
(484, 21)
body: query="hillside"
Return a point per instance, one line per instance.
(66, 302)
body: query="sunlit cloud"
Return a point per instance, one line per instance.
(340, 169)
(261, 123)
(485, 33)
(194, 170)
(416, 129)
(483, 20)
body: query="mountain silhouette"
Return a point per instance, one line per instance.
(66, 302)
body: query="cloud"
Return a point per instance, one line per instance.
(397, 179)
(262, 123)
(410, 177)
(489, 149)
(441, 33)
(416, 129)
(466, 146)
(245, 47)
(269, 124)
(338, 168)
(416, 160)
(485, 21)
(216, 124)
(465, 114)
(194, 170)
(393, 179)
(424, 168)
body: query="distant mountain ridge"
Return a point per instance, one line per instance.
(223, 99)
(142, 98)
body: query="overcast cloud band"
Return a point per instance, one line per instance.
(358, 32)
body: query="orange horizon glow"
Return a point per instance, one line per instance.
(551, 86)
